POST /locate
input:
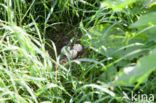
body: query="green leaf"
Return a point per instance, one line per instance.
(147, 24)
(152, 34)
(108, 75)
(110, 40)
(102, 37)
(140, 72)
(145, 20)
(117, 5)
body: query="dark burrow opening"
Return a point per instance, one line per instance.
(61, 36)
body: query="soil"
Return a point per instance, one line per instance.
(61, 39)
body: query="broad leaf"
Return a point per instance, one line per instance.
(145, 20)
(147, 24)
(110, 41)
(117, 4)
(140, 72)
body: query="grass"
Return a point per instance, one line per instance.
(32, 34)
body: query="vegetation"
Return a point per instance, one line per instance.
(117, 64)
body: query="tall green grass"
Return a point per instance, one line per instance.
(28, 74)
